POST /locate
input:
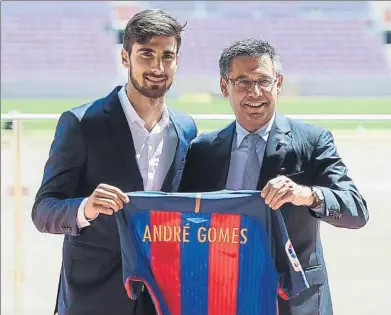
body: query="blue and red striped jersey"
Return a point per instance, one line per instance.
(217, 253)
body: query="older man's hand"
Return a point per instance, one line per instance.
(281, 190)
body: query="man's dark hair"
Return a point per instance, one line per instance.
(248, 47)
(148, 23)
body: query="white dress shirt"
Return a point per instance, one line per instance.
(155, 149)
(240, 151)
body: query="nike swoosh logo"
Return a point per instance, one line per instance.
(196, 220)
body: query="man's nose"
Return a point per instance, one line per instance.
(157, 66)
(255, 91)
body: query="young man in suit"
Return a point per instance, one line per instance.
(295, 165)
(126, 141)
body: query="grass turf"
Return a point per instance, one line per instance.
(309, 105)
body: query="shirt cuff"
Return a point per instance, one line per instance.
(81, 219)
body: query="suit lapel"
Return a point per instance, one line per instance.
(173, 177)
(122, 136)
(278, 144)
(222, 146)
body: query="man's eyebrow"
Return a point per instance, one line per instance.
(169, 52)
(265, 77)
(153, 51)
(146, 49)
(241, 77)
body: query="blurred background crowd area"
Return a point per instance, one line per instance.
(71, 49)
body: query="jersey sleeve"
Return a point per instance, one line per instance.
(292, 277)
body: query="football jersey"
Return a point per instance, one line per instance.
(216, 253)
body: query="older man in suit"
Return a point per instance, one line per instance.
(295, 165)
(126, 141)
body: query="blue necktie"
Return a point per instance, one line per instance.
(252, 168)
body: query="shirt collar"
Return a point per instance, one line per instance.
(131, 114)
(264, 132)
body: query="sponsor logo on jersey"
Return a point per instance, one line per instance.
(292, 256)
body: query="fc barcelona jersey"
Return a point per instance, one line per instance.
(218, 253)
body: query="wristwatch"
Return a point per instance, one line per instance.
(318, 197)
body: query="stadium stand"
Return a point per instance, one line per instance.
(327, 47)
(56, 48)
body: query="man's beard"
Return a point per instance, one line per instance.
(153, 91)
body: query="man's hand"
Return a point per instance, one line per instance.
(281, 190)
(105, 199)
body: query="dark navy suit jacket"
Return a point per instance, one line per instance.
(307, 154)
(93, 144)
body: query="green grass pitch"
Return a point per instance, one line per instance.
(309, 105)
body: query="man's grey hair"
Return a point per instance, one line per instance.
(249, 47)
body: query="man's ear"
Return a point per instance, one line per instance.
(125, 58)
(223, 86)
(280, 81)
